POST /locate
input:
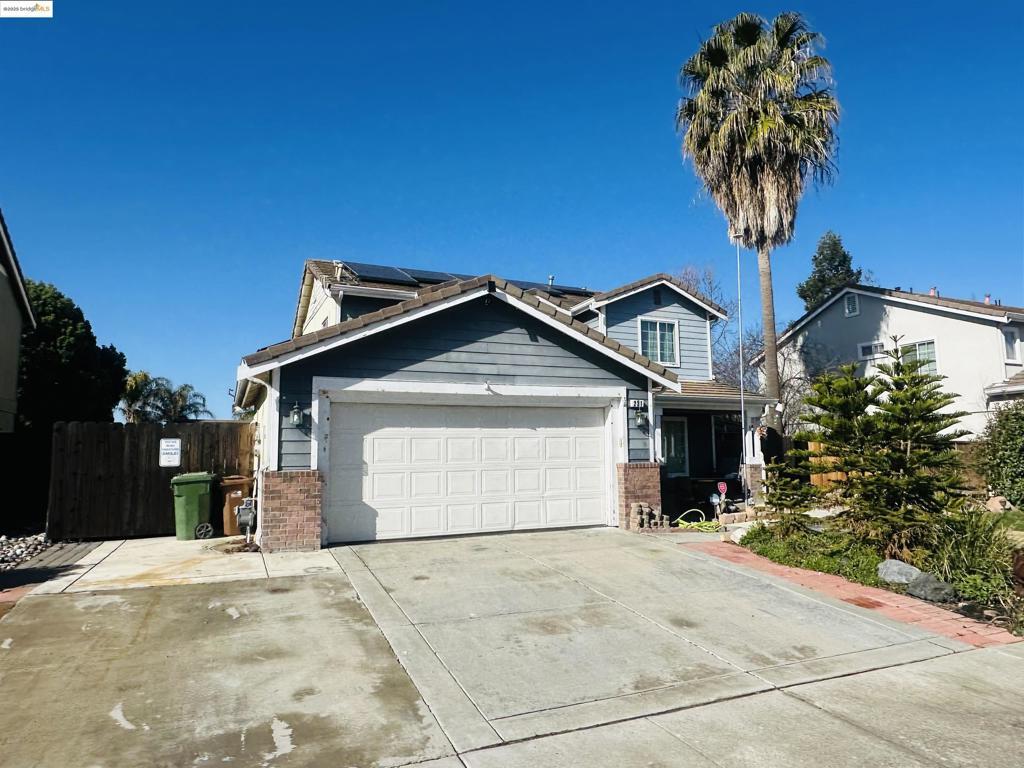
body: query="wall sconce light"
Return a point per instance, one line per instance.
(641, 418)
(295, 416)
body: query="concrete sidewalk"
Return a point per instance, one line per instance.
(165, 561)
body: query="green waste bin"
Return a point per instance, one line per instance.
(192, 505)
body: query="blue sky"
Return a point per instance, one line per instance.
(170, 166)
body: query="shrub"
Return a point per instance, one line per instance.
(829, 551)
(971, 551)
(1002, 452)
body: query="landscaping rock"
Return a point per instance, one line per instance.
(14, 551)
(738, 533)
(928, 587)
(998, 504)
(897, 572)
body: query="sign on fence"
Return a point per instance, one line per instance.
(170, 452)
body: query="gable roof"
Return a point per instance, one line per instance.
(660, 278)
(995, 312)
(14, 276)
(437, 298)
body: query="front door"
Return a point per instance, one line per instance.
(674, 446)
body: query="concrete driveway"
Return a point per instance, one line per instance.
(593, 647)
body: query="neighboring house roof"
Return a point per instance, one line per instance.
(14, 276)
(382, 319)
(403, 281)
(996, 312)
(1012, 386)
(661, 278)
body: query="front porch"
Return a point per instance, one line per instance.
(700, 444)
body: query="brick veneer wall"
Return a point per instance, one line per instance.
(639, 482)
(290, 511)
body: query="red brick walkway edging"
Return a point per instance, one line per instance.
(894, 606)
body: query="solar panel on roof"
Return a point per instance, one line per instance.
(380, 273)
(428, 275)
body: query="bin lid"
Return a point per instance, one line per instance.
(192, 477)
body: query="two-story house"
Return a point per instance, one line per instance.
(976, 345)
(413, 403)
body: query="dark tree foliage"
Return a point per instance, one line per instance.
(64, 374)
(831, 269)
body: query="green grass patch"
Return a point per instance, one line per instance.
(828, 551)
(1012, 520)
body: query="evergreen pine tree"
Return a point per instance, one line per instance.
(910, 472)
(831, 269)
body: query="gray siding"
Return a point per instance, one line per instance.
(639, 448)
(354, 306)
(621, 317)
(475, 342)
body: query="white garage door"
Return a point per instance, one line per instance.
(400, 471)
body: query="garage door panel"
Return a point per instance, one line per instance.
(426, 484)
(460, 450)
(527, 480)
(558, 479)
(426, 519)
(425, 450)
(494, 449)
(461, 483)
(494, 482)
(398, 471)
(528, 514)
(462, 518)
(527, 449)
(495, 515)
(387, 485)
(559, 512)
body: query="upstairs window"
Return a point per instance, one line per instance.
(659, 341)
(921, 350)
(1011, 345)
(870, 350)
(851, 305)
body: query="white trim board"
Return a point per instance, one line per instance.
(245, 371)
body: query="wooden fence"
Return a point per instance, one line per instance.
(824, 479)
(106, 482)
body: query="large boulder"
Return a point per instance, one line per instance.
(897, 572)
(928, 587)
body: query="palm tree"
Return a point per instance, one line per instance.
(759, 119)
(182, 403)
(142, 397)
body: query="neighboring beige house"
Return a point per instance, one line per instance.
(976, 345)
(15, 316)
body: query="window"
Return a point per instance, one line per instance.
(921, 350)
(658, 341)
(851, 305)
(870, 350)
(1011, 345)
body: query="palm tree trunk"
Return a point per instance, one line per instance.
(771, 345)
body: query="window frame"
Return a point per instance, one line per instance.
(846, 305)
(917, 343)
(677, 363)
(873, 356)
(1003, 335)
